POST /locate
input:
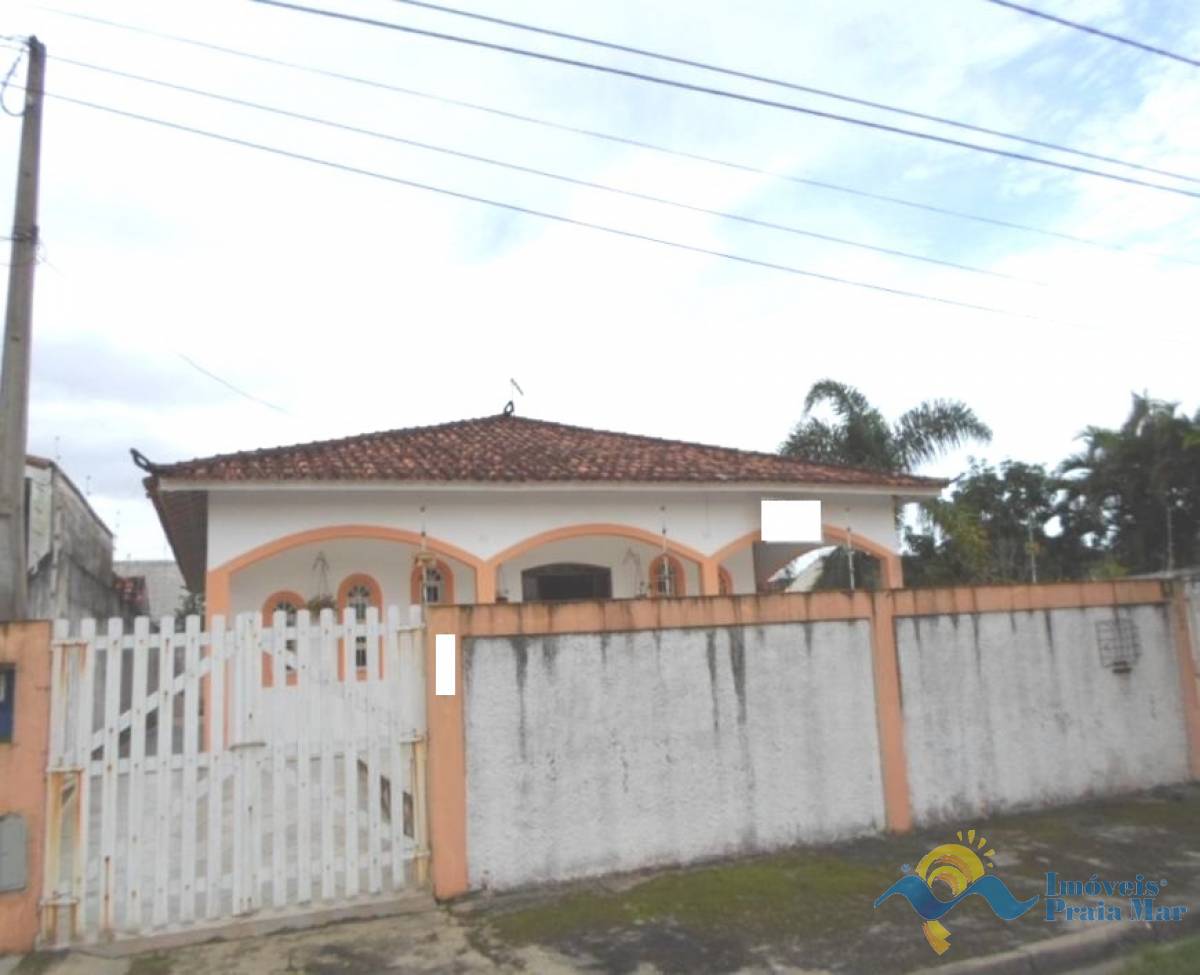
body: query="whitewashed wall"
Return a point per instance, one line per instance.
(485, 523)
(389, 563)
(590, 753)
(1012, 709)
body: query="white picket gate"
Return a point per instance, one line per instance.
(198, 777)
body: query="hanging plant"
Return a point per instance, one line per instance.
(318, 603)
(323, 599)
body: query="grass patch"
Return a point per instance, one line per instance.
(156, 963)
(795, 893)
(37, 962)
(1180, 958)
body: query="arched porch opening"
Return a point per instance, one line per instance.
(750, 562)
(322, 561)
(625, 554)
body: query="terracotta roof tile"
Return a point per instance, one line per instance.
(509, 448)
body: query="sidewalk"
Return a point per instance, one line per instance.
(803, 910)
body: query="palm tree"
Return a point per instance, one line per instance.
(861, 437)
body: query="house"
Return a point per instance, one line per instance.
(501, 508)
(158, 583)
(69, 549)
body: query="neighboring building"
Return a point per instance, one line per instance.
(158, 585)
(501, 508)
(68, 549)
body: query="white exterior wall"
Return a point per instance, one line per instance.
(486, 522)
(740, 566)
(389, 563)
(1011, 709)
(588, 753)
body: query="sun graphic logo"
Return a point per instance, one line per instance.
(959, 870)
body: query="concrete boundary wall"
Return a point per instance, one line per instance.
(1005, 710)
(477, 772)
(601, 753)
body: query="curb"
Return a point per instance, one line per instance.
(1070, 951)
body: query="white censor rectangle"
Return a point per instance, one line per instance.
(444, 668)
(791, 521)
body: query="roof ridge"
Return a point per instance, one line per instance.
(736, 450)
(507, 417)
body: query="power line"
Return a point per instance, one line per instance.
(619, 140)
(1119, 38)
(7, 80)
(558, 218)
(780, 83)
(229, 385)
(735, 96)
(517, 167)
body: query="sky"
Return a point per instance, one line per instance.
(175, 266)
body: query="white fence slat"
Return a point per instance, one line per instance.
(170, 851)
(308, 706)
(191, 750)
(60, 744)
(55, 781)
(137, 759)
(241, 824)
(163, 775)
(328, 727)
(396, 779)
(349, 730)
(255, 730)
(109, 784)
(277, 717)
(84, 727)
(217, 756)
(372, 694)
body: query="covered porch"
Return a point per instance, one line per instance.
(358, 566)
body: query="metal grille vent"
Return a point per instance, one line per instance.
(1119, 644)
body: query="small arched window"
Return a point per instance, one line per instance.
(432, 583)
(724, 582)
(666, 577)
(359, 593)
(289, 603)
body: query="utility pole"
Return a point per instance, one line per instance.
(18, 322)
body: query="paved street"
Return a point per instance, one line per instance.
(802, 910)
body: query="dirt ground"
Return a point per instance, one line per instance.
(806, 909)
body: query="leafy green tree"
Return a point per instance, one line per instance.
(993, 529)
(190, 604)
(1136, 489)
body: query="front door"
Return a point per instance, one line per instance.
(566, 580)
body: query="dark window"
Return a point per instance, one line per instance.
(566, 580)
(358, 598)
(8, 700)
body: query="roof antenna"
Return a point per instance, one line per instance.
(510, 406)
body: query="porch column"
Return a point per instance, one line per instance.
(893, 571)
(710, 577)
(485, 583)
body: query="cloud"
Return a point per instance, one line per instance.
(356, 304)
